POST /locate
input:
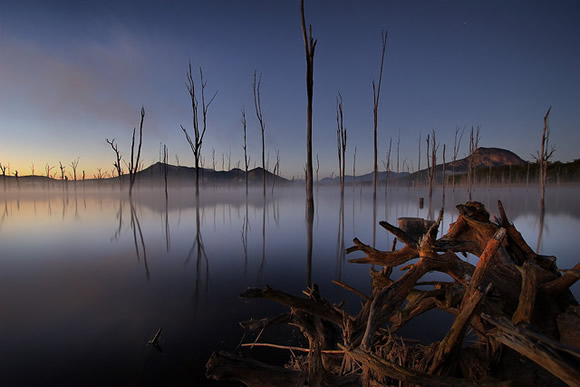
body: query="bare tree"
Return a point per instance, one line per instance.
(196, 144)
(32, 168)
(443, 179)
(246, 161)
(3, 169)
(398, 146)
(376, 97)
(164, 159)
(419, 162)
(62, 170)
(74, 164)
(317, 168)
(387, 164)
(544, 155)
(258, 106)
(473, 146)
(340, 142)
(118, 157)
(309, 47)
(456, 146)
(100, 175)
(432, 148)
(134, 162)
(276, 170)
(353, 169)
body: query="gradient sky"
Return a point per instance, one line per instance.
(73, 73)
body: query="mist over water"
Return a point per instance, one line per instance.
(87, 276)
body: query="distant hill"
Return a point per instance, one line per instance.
(486, 157)
(187, 174)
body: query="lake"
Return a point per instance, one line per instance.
(87, 277)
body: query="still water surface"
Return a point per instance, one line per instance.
(87, 278)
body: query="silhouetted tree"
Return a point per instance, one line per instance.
(317, 168)
(432, 148)
(196, 145)
(543, 156)
(353, 169)
(74, 164)
(62, 170)
(443, 179)
(118, 157)
(309, 47)
(456, 146)
(32, 168)
(376, 97)
(164, 158)
(47, 169)
(134, 163)
(258, 106)
(387, 164)
(340, 142)
(419, 162)
(245, 147)
(473, 146)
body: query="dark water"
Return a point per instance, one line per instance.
(87, 278)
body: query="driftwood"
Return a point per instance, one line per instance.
(517, 303)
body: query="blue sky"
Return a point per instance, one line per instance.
(73, 73)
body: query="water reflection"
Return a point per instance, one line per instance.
(340, 247)
(200, 256)
(77, 259)
(140, 249)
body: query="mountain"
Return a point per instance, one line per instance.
(486, 157)
(180, 173)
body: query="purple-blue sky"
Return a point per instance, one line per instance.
(73, 73)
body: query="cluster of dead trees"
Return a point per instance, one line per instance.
(515, 303)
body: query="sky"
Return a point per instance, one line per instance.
(74, 73)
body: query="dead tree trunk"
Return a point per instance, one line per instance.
(456, 146)
(340, 142)
(246, 160)
(473, 146)
(196, 143)
(258, 106)
(376, 97)
(134, 165)
(118, 158)
(544, 156)
(309, 46)
(432, 148)
(387, 164)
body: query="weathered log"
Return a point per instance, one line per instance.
(527, 302)
(383, 258)
(254, 325)
(392, 370)
(451, 343)
(535, 350)
(568, 323)
(523, 284)
(223, 366)
(322, 310)
(562, 284)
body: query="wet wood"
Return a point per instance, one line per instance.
(513, 298)
(537, 351)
